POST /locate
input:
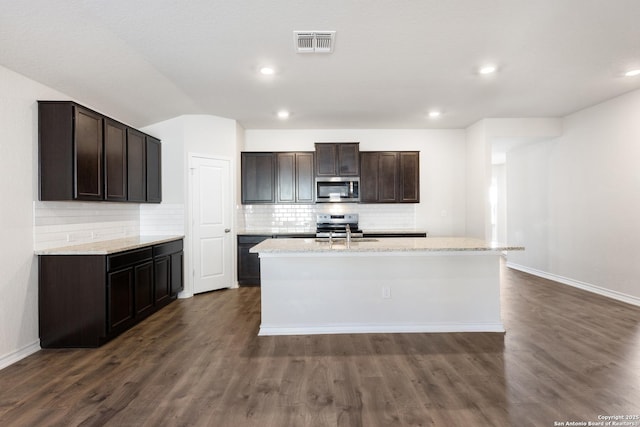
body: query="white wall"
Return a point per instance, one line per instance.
(527, 176)
(575, 202)
(441, 210)
(499, 173)
(18, 191)
(193, 134)
(478, 180)
(496, 135)
(198, 134)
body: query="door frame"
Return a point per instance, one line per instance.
(190, 269)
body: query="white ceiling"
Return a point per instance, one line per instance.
(145, 61)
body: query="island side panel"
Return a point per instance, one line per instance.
(381, 292)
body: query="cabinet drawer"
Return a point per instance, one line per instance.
(167, 248)
(296, 236)
(124, 259)
(252, 239)
(382, 235)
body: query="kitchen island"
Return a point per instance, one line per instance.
(446, 284)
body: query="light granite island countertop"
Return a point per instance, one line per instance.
(386, 285)
(392, 244)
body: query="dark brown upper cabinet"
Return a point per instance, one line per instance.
(389, 177)
(277, 177)
(84, 155)
(115, 160)
(409, 177)
(258, 178)
(154, 170)
(295, 177)
(136, 166)
(70, 155)
(337, 159)
(378, 177)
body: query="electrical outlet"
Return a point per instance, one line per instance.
(386, 292)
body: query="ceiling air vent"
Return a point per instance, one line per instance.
(314, 41)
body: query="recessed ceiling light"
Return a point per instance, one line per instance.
(283, 114)
(632, 73)
(267, 71)
(434, 114)
(487, 69)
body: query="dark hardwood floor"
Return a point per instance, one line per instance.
(567, 355)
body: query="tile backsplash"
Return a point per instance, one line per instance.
(302, 218)
(161, 219)
(68, 223)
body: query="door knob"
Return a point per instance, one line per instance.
(227, 230)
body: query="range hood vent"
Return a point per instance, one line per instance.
(314, 41)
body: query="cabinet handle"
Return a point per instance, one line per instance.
(227, 230)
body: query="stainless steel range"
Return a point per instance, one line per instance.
(336, 225)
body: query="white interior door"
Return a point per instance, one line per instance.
(211, 224)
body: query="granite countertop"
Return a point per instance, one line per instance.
(400, 244)
(107, 247)
(273, 231)
(394, 231)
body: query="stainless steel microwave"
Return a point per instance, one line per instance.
(337, 189)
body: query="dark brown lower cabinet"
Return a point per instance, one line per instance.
(177, 272)
(86, 300)
(248, 263)
(162, 269)
(120, 298)
(168, 270)
(385, 234)
(144, 283)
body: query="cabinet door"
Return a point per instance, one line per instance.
(326, 159)
(295, 179)
(304, 178)
(379, 177)
(409, 177)
(248, 263)
(286, 177)
(388, 177)
(349, 159)
(143, 279)
(162, 271)
(136, 166)
(115, 160)
(177, 276)
(258, 178)
(88, 155)
(154, 170)
(369, 176)
(120, 298)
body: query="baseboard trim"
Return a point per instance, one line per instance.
(619, 296)
(21, 353)
(380, 329)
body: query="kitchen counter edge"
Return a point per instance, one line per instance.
(107, 247)
(420, 244)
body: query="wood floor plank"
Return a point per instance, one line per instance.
(567, 355)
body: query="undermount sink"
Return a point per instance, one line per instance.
(341, 240)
